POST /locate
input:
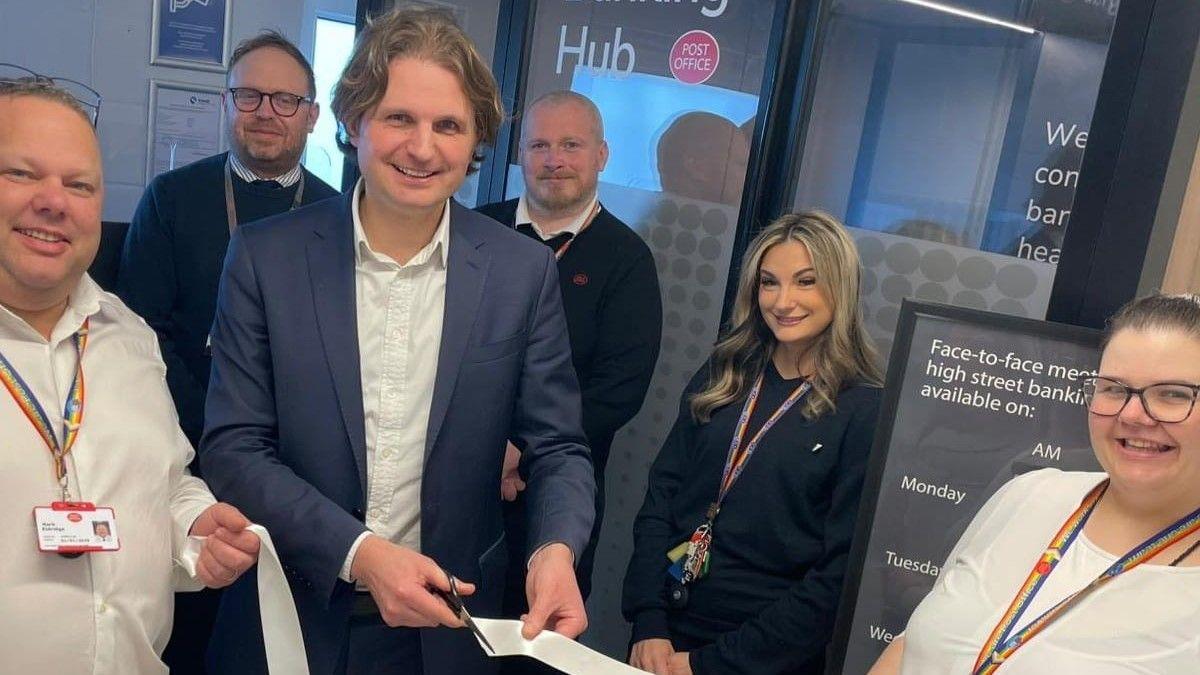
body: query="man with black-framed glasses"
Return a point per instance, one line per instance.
(176, 243)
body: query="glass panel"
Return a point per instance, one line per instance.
(677, 85)
(949, 136)
(331, 51)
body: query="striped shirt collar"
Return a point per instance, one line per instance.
(286, 180)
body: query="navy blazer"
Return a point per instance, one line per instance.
(284, 438)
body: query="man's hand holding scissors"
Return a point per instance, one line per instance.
(403, 584)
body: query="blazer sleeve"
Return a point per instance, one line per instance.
(147, 283)
(644, 603)
(797, 627)
(628, 334)
(561, 486)
(239, 451)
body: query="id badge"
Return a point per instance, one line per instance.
(76, 527)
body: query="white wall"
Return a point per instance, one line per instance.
(106, 45)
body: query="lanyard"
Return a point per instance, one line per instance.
(562, 250)
(231, 210)
(1002, 643)
(696, 563)
(72, 410)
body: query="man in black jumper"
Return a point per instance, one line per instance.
(176, 244)
(609, 288)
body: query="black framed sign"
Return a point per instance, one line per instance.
(972, 399)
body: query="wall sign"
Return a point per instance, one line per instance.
(190, 34)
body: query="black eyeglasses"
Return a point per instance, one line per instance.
(13, 76)
(1167, 402)
(284, 103)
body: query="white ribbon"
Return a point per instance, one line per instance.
(551, 649)
(282, 640)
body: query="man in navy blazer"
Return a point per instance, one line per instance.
(371, 355)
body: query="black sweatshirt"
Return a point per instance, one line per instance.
(780, 542)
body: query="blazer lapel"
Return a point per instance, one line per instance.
(466, 273)
(331, 268)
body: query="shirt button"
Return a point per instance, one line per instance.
(102, 608)
(386, 453)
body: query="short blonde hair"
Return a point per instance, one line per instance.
(422, 33)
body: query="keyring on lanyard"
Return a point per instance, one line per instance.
(231, 210)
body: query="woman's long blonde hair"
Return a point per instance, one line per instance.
(842, 353)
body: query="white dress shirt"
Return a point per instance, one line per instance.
(522, 216)
(400, 310)
(101, 612)
(1145, 621)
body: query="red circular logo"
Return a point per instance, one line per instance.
(74, 517)
(694, 57)
(580, 279)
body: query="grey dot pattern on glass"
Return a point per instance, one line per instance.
(902, 257)
(887, 317)
(938, 265)
(715, 222)
(685, 243)
(681, 268)
(870, 251)
(933, 292)
(710, 248)
(976, 272)
(869, 282)
(895, 288)
(896, 267)
(1009, 306)
(1016, 281)
(969, 298)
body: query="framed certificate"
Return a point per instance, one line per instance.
(186, 122)
(190, 34)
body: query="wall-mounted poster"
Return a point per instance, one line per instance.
(185, 125)
(190, 34)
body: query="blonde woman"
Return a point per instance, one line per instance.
(741, 544)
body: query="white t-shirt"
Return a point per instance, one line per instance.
(1145, 621)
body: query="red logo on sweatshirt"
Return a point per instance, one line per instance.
(580, 279)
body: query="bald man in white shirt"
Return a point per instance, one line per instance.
(62, 611)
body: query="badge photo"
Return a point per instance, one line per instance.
(76, 527)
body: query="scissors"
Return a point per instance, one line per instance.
(454, 601)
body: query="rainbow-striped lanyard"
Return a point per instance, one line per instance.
(1000, 645)
(735, 462)
(72, 410)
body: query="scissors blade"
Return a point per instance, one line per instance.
(454, 600)
(466, 618)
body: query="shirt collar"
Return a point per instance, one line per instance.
(84, 302)
(435, 249)
(573, 227)
(285, 180)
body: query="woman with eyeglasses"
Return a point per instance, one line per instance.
(1096, 573)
